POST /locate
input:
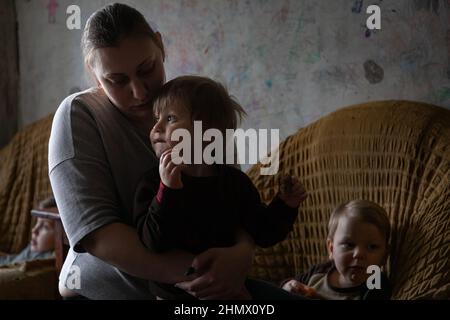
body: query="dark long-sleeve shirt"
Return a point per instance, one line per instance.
(206, 213)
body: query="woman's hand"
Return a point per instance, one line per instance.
(221, 273)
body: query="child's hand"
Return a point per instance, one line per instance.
(170, 173)
(294, 286)
(292, 192)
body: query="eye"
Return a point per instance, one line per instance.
(171, 118)
(347, 245)
(118, 82)
(148, 69)
(373, 247)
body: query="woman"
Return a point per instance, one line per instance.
(98, 150)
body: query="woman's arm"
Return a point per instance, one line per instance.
(118, 244)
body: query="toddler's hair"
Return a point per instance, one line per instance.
(366, 211)
(207, 101)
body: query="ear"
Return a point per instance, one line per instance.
(330, 248)
(161, 44)
(94, 77)
(91, 72)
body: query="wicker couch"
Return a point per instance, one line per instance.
(23, 183)
(396, 153)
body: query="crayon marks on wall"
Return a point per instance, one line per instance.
(287, 62)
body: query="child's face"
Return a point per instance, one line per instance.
(42, 235)
(173, 116)
(356, 245)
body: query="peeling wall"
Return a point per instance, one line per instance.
(287, 61)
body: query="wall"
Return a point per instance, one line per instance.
(288, 62)
(9, 72)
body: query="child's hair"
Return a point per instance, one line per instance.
(47, 203)
(107, 26)
(365, 210)
(206, 100)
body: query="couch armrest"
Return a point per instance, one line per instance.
(29, 280)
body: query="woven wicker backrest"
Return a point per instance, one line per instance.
(23, 183)
(396, 153)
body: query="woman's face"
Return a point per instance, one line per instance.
(130, 75)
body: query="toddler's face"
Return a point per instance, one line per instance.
(173, 116)
(42, 236)
(356, 246)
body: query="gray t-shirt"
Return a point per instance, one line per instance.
(96, 157)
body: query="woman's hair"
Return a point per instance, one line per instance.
(107, 26)
(207, 101)
(364, 210)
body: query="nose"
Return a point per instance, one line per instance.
(35, 231)
(157, 128)
(139, 90)
(359, 253)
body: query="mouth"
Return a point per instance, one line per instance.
(142, 106)
(356, 269)
(155, 141)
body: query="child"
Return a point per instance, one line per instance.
(358, 236)
(42, 242)
(200, 206)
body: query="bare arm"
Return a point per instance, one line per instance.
(118, 244)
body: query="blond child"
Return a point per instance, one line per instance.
(42, 242)
(358, 237)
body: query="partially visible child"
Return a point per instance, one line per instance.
(42, 242)
(201, 206)
(358, 236)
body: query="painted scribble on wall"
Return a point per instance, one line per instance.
(52, 5)
(287, 62)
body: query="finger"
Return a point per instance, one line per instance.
(304, 196)
(170, 166)
(298, 184)
(167, 151)
(299, 192)
(185, 285)
(203, 261)
(298, 187)
(217, 296)
(165, 158)
(176, 170)
(208, 292)
(195, 285)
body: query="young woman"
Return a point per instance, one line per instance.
(99, 149)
